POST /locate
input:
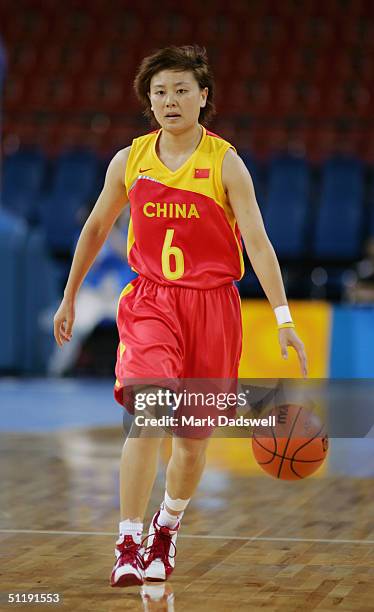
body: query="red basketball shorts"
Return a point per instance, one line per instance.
(169, 333)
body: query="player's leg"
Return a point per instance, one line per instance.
(185, 468)
(139, 462)
(138, 469)
(150, 349)
(212, 341)
(208, 368)
(183, 475)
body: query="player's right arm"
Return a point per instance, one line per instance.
(106, 211)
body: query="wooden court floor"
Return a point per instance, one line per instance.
(248, 542)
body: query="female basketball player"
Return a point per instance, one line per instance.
(190, 194)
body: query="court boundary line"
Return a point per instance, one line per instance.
(192, 536)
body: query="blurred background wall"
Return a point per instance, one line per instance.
(295, 83)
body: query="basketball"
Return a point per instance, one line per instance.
(295, 447)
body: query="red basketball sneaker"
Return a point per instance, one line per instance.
(160, 552)
(129, 568)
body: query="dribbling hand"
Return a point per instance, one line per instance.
(288, 337)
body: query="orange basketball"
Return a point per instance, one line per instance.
(295, 447)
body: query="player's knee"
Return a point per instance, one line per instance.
(143, 440)
(190, 452)
(133, 427)
(151, 414)
(142, 430)
(142, 423)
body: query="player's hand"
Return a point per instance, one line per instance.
(288, 337)
(63, 322)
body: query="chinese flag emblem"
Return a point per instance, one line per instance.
(201, 172)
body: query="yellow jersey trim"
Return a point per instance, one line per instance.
(129, 287)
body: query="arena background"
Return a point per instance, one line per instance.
(298, 108)
(295, 84)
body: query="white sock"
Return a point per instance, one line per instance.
(165, 519)
(128, 527)
(178, 505)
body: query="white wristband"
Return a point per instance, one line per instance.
(282, 314)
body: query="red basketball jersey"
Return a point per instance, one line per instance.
(182, 229)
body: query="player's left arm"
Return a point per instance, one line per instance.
(241, 194)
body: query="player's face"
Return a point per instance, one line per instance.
(176, 93)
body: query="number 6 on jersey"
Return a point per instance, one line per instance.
(167, 252)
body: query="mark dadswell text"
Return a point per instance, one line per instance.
(209, 421)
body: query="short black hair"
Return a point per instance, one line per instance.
(187, 57)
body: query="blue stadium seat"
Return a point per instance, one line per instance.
(22, 182)
(60, 219)
(40, 285)
(13, 235)
(287, 204)
(371, 220)
(76, 172)
(251, 164)
(339, 223)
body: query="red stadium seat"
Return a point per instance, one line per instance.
(14, 93)
(284, 69)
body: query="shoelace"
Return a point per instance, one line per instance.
(130, 551)
(161, 544)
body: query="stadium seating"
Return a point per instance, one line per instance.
(29, 285)
(60, 215)
(23, 175)
(13, 234)
(339, 226)
(371, 219)
(41, 290)
(286, 206)
(279, 74)
(76, 173)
